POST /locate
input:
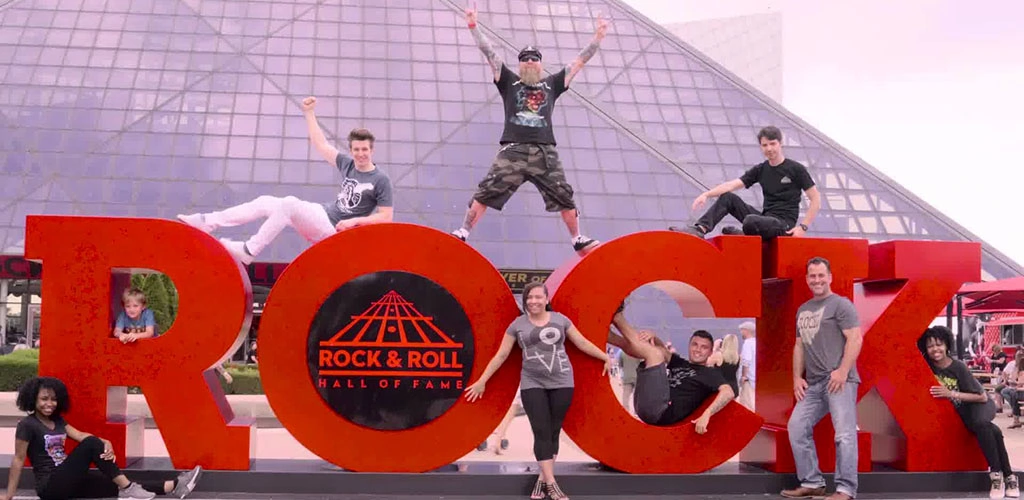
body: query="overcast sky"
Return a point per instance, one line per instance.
(930, 92)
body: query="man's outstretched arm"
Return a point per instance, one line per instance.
(484, 43)
(588, 51)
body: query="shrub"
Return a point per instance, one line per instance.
(17, 367)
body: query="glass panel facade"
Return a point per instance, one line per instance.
(158, 107)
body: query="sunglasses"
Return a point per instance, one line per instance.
(529, 59)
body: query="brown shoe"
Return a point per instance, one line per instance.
(804, 492)
(839, 496)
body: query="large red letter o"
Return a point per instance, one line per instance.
(728, 272)
(319, 271)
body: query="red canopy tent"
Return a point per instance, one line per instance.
(991, 296)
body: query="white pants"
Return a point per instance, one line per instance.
(746, 397)
(309, 219)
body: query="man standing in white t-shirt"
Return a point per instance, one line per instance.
(748, 364)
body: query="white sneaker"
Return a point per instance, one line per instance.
(135, 491)
(187, 482)
(197, 221)
(237, 249)
(1012, 486)
(998, 487)
(461, 234)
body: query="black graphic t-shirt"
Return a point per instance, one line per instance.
(781, 186)
(361, 192)
(689, 385)
(528, 108)
(45, 446)
(957, 377)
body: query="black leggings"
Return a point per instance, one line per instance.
(546, 409)
(990, 438)
(73, 479)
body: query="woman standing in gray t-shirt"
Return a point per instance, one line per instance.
(546, 379)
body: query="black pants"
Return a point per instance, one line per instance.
(754, 222)
(73, 479)
(546, 409)
(990, 438)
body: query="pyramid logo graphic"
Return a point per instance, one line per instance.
(391, 339)
(391, 321)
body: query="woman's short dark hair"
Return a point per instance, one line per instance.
(940, 333)
(28, 393)
(531, 286)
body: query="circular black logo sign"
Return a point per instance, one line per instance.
(390, 350)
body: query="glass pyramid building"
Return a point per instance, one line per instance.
(156, 107)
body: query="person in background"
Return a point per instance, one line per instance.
(997, 363)
(1011, 387)
(748, 364)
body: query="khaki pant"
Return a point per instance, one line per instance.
(747, 395)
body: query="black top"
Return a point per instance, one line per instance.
(782, 186)
(1000, 361)
(689, 386)
(957, 377)
(45, 446)
(729, 373)
(528, 108)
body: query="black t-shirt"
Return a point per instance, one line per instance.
(528, 108)
(689, 385)
(1000, 361)
(729, 372)
(45, 446)
(781, 185)
(957, 377)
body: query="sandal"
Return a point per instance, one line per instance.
(555, 492)
(539, 490)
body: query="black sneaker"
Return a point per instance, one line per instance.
(694, 230)
(732, 231)
(581, 243)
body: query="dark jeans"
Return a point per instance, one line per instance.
(990, 438)
(73, 479)
(1012, 397)
(546, 409)
(754, 222)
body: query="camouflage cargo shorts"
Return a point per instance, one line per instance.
(534, 163)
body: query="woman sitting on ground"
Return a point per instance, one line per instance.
(40, 437)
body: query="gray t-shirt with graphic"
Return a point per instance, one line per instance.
(545, 363)
(361, 192)
(819, 325)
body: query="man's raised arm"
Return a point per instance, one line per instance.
(316, 135)
(484, 43)
(588, 51)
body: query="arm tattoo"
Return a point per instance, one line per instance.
(485, 46)
(719, 403)
(588, 51)
(470, 220)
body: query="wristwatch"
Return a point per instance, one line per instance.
(803, 226)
